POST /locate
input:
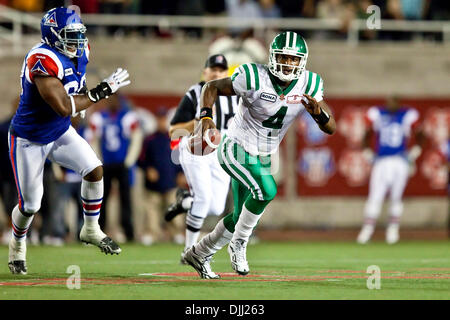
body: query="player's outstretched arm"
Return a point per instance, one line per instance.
(321, 113)
(52, 91)
(210, 91)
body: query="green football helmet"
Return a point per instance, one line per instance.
(288, 43)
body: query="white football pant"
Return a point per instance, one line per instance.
(70, 151)
(389, 173)
(208, 183)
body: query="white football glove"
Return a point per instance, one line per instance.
(118, 80)
(414, 153)
(109, 86)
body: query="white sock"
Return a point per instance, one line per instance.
(191, 238)
(20, 224)
(396, 213)
(214, 241)
(92, 197)
(245, 225)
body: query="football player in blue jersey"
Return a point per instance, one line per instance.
(393, 125)
(53, 80)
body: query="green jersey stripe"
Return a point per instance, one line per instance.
(247, 76)
(308, 86)
(317, 85)
(221, 155)
(232, 170)
(255, 71)
(239, 153)
(233, 152)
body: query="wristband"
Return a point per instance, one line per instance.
(74, 108)
(322, 118)
(101, 91)
(205, 112)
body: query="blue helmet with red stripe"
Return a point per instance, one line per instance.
(63, 29)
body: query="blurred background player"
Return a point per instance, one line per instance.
(53, 82)
(208, 182)
(116, 133)
(162, 176)
(273, 96)
(393, 126)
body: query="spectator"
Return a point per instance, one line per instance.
(161, 179)
(413, 9)
(269, 9)
(116, 133)
(28, 5)
(335, 9)
(245, 10)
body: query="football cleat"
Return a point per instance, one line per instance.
(365, 234)
(238, 255)
(200, 264)
(182, 259)
(392, 235)
(17, 256)
(96, 237)
(177, 207)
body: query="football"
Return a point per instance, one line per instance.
(203, 145)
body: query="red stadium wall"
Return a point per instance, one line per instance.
(335, 166)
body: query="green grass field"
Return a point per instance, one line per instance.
(279, 271)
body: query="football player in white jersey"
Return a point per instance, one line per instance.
(272, 96)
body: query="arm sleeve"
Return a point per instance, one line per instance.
(185, 111)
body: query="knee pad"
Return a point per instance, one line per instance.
(31, 208)
(396, 208)
(269, 191)
(372, 209)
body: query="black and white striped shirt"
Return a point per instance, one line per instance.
(189, 108)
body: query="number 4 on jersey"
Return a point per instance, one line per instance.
(276, 121)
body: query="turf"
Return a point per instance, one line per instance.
(279, 271)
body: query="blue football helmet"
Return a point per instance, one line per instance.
(63, 29)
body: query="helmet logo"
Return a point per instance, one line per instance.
(38, 67)
(51, 20)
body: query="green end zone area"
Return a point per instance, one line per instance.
(279, 271)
